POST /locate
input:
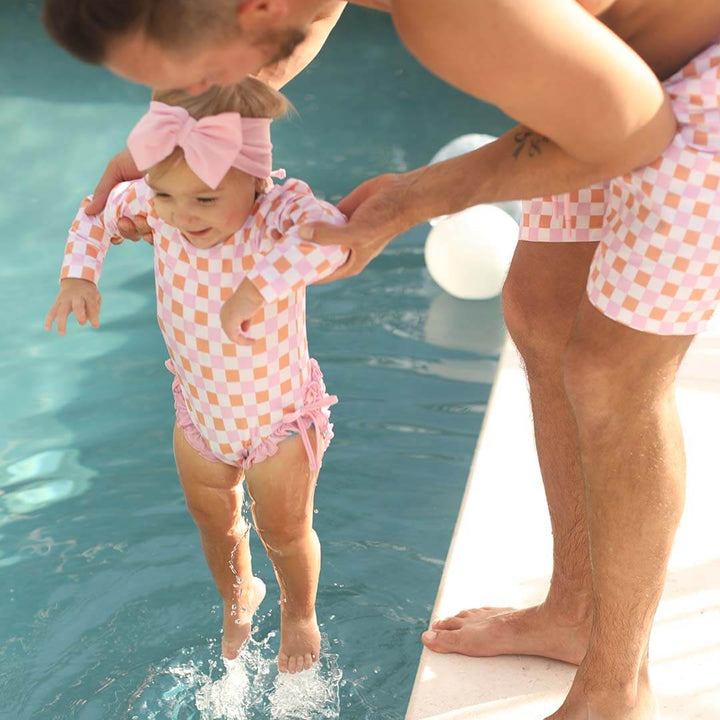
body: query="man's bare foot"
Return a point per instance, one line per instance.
(299, 643)
(237, 619)
(607, 701)
(485, 632)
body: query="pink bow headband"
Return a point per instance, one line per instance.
(212, 145)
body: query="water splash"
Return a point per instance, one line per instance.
(225, 697)
(308, 695)
(195, 686)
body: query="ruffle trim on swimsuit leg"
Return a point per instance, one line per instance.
(194, 439)
(313, 412)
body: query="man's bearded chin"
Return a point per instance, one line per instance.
(282, 43)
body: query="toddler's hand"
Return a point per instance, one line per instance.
(76, 296)
(134, 229)
(237, 311)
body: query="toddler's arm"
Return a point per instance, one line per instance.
(237, 310)
(292, 261)
(85, 251)
(91, 235)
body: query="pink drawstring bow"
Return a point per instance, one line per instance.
(212, 145)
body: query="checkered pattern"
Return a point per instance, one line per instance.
(657, 265)
(241, 399)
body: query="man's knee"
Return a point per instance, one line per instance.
(536, 326)
(612, 372)
(604, 390)
(541, 297)
(589, 383)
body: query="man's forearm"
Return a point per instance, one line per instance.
(520, 165)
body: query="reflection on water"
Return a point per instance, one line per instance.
(470, 325)
(41, 480)
(472, 371)
(194, 686)
(466, 325)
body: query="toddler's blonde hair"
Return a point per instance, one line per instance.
(251, 97)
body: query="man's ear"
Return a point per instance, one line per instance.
(261, 14)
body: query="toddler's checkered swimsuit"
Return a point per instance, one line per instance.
(657, 265)
(241, 400)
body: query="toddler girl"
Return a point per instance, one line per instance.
(230, 277)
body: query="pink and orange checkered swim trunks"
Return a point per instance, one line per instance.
(315, 412)
(657, 265)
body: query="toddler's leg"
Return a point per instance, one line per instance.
(214, 496)
(282, 489)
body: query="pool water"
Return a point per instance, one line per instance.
(107, 610)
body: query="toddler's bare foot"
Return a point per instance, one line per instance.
(299, 643)
(485, 632)
(237, 618)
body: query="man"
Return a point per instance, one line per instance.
(602, 311)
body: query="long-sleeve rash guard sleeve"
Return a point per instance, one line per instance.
(292, 262)
(90, 235)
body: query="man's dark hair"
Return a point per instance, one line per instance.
(86, 28)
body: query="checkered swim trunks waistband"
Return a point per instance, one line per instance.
(657, 265)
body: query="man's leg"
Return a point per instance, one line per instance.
(620, 383)
(545, 286)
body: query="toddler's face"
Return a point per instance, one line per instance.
(204, 216)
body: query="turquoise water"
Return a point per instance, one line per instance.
(107, 610)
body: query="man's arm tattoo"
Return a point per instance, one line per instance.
(530, 140)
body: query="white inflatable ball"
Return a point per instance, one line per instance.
(468, 254)
(461, 145)
(465, 144)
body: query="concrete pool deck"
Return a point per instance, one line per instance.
(501, 555)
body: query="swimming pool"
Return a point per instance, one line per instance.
(107, 606)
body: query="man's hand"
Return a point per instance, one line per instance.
(377, 214)
(238, 309)
(119, 169)
(76, 296)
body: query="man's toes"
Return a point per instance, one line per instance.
(451, 623)
(292, 665)
(309, 660)
(442, 641)
(283, 663)
(484, 612)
